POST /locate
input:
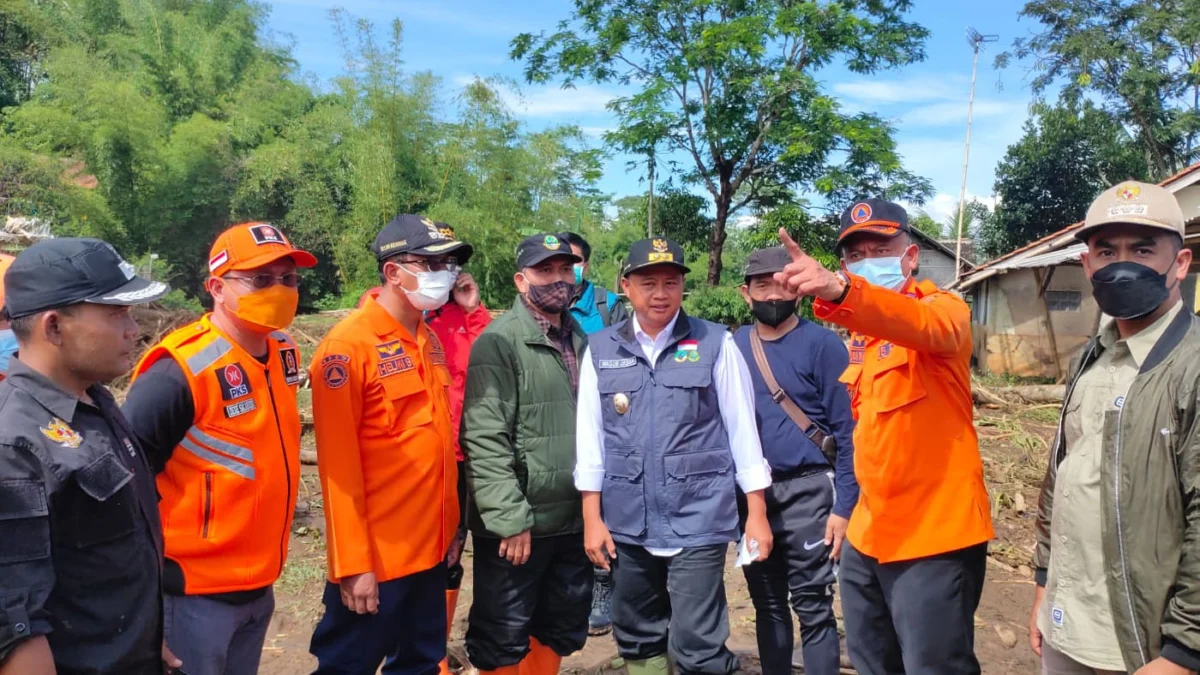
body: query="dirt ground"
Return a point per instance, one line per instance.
(1014, 453)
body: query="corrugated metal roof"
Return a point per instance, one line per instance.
(1063, 255)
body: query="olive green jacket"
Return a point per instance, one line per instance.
(518, 430)
(1150, 482)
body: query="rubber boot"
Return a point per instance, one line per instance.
(655, 665)
(541, 660)
(451, 604)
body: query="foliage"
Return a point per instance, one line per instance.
(732, 86)
(976, 215)
(190, 121)
(1140, 57)
(924, 222)
(1047, 179)
(722, 304)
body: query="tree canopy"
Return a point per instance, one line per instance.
(732, 86)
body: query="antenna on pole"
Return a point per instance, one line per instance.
(976, 40)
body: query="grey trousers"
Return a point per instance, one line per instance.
(673, 606)
(216, 638)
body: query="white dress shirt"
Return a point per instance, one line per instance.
(735, 398)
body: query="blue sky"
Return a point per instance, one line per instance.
(460, 39)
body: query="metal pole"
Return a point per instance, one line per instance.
(962, 192)
(975, 40)
(650, 204)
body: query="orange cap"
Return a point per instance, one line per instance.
(5, 262)
(251, 245)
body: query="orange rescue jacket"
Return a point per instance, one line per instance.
(385, 446)
(229, 490)
(916, 455)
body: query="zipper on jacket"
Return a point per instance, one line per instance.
(1137, 634)
(287, 470)
(208, 478)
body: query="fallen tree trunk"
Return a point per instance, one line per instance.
(1022, 394)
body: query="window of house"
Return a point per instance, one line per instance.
(1063, 301)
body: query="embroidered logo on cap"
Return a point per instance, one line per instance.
(218, 260)
(660, 245)
(860, 213)
(267, 234)
(550, 242)
(1129, 192)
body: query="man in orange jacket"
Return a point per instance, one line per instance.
(214, 407)
(385, 450)
(912, 570)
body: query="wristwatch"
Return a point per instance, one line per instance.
(845, 287)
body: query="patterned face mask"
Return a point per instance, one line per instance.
(552, 298)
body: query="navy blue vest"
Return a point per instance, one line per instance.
(668, 469)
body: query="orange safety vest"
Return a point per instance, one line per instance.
(916, 455)
(229, 490)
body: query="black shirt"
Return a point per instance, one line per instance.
(80, 539)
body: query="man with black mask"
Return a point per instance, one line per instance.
(1118, 565)
(806, 425)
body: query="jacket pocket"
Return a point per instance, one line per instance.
(623, 499)
(700, 492)
(24, 521)
(407, 399)
(896, 382)
(684, 389)
(107, 511)
(620, 398)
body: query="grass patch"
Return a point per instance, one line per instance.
(1041, 414)
(1007, 380)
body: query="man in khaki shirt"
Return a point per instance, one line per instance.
(1117, 557)
(1076, 616)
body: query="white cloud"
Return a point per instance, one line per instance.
(907, 90)
(596, 132)
(950, 113)
(551, 101)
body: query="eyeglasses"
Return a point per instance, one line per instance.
(433, 265)
(260, 281)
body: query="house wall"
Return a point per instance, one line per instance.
(1013, 337)
(936, 265)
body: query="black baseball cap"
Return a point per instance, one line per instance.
(541, 247)
(877, 216)
(766, 261)
(408, 233)
(57, 273)
(657, 251)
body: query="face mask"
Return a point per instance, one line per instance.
(433, 289)
(268, 309)
(773, 312)
(578, 274)
(552, 298)
(884, 272)
(1129, 290)
(8, 347)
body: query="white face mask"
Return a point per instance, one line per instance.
(433, 289)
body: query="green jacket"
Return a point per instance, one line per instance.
(518, 430)
(1150, 481)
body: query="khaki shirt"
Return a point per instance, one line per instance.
(1076, 617)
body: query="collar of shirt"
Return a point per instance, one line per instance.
(654, 346)
(385, 325)
(48, 394)
(1139, 344)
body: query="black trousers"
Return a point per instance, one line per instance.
(798, 575)
(673, 606)
(548, 598)
(915, 616)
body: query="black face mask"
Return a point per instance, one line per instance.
(773, 312)
(1129, 290)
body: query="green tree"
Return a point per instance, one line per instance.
(924, 222)
(732, 85)
(1140, 57)
(1068, 155)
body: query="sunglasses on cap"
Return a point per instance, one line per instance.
(261, 281)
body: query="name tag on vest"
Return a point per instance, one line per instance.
(609, 364)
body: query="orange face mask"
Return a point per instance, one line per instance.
(268, 309)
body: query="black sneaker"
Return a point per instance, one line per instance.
(600, 620)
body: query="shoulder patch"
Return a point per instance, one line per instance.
(234, 383)
(58, 431)
(335, 370)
